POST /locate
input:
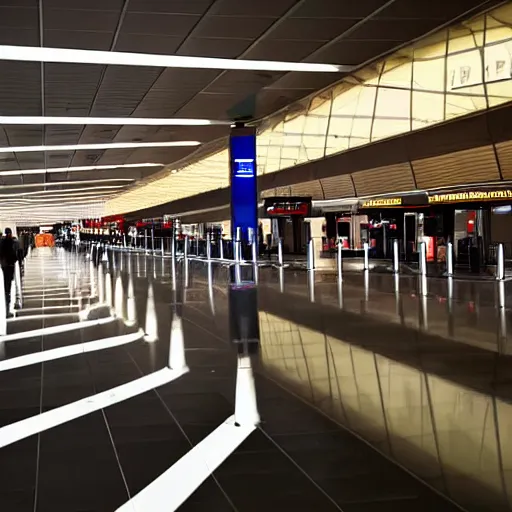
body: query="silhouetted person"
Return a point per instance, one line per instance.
(9, 255)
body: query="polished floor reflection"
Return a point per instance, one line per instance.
(389, 367)
(357, 391)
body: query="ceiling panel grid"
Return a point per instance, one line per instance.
(294, 30)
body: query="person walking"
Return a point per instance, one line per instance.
(9, 255)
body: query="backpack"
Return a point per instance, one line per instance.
(8, 252)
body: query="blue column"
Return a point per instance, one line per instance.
(244, 190)
(243, 299)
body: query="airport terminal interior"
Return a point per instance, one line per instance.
(255, 255)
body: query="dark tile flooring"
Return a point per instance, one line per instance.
(298, 459)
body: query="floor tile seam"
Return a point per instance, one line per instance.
(315, 484)
(341, 427)
(41, 399)
(310, 405)
(116, 454)
(187, 438)
(369, 445)
(107, 426)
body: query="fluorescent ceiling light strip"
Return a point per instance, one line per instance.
(47, 207)
(54, 329)
(71, 350)
(77, 169)
(84, 196)
(72, 202)
(62, 295)
(76, 192)
(108, 121)
(68, 183)
(50, 419)
(72, 56)
(112, 145)
(60, 299)
(38, 317)
(171, 489)
(38, 288)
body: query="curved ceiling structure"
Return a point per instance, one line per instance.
(454, 72)
(294, 31)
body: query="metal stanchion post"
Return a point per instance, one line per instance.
(237, 256)
(449, 259)
(185, 260)
(208, 246)
(254, 248)
(281, 279)
(153, 240)
(146, 240)
(500, 266)
(280, 252)
(340, 273)
(396, 264)
(311, 285)
(340, 260)
(163, 248)
(311, 255)
(397, 297)
(502, 315)
(173, 261)
(450, 306)
(366, 264)
(423, 268)
(221, 248)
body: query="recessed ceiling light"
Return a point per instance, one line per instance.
(112, 145)
(77, 169)
(136, 121)
(71, 56)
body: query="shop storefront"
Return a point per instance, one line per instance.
(473, 220)
(287, 217)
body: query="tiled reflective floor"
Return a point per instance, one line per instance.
(335, 381)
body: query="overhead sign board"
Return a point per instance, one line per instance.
(287, 206)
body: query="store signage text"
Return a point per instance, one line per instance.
(477, 195)
(380, 203)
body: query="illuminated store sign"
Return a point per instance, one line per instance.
(476, 195)
(382, 203)
(288, 207)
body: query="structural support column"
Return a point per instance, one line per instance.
(244, 190)
(243, 301)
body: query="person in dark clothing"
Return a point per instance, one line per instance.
(9, 255)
